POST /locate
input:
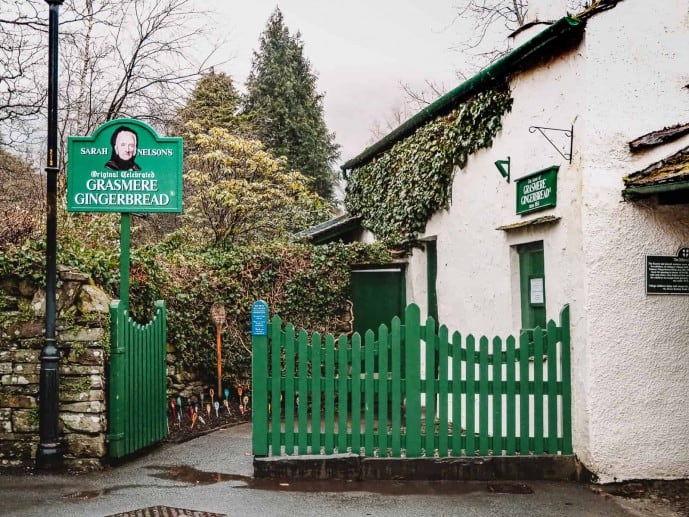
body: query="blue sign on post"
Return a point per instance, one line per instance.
(259, 318)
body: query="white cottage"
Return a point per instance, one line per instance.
(587, 205)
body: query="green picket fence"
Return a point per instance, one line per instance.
(410, 391)
(137, 411)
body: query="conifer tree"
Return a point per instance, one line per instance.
(214, 102)
(285, 108)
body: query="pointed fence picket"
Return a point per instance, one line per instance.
(412, 391)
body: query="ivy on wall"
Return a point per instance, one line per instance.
(396, 193)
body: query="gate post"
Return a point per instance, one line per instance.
(116, 398)
(259, 378)
(566, 366)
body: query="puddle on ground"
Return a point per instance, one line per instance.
(84, 494)
(187, 474)
(509, 488)
(92, 494)
(193, 476)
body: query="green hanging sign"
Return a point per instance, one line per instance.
(124, 167)
(537, 191)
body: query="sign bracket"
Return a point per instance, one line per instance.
(568, 133)
(504, 172)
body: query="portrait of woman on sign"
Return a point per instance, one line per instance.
(124, 143)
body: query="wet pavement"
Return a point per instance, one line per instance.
(213, 475)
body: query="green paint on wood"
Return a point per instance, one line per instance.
(457, 444)
(524, 413)
(566, 381)
(372, 392)
(303, 392)
(497, 396)
(383, 387)
(552, 387)
(511, 406)
(412, 374)
(356, 393)
(138, 381)
(483, 397)
(259, 374)
(532, 285)
(342, 394)
(329, 394)
(316, 393)
(288, 397)
(275, 391)
(396, 368)
(443, 390)
(538, 390)
(470, 395)
(369, 392)
(430, 393)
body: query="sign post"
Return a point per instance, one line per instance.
(259, 375)
(124, 167)
(218, 316)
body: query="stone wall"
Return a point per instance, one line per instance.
(181, 383)
(83, 340)
(83, 335)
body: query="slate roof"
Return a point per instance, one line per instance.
(330, 229)
(669, 174)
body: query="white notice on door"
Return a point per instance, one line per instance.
(536, 290)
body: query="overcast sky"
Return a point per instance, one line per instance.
(360, 50)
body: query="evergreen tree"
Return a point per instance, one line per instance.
(285, 108)
(214, 103)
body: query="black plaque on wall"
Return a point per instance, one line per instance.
(668, 274)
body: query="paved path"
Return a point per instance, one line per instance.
(213, 474)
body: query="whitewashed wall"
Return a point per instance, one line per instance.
(638, 345)
(630, 350)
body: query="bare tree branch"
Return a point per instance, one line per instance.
(118, 58)
(493, 20)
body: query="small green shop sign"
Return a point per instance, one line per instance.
(537, 191)
(124, 167)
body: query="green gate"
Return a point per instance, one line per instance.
(137, 412)
(410, 391)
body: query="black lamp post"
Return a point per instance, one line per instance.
(49, 453)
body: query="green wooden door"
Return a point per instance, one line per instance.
(532, 284)
(378, 295)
